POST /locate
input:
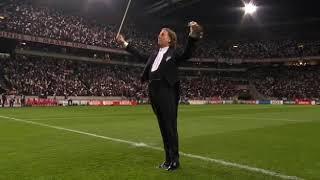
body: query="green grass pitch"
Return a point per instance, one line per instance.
(281, 139)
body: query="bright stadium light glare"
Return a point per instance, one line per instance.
(250, 8)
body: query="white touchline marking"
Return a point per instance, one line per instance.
(217, 161)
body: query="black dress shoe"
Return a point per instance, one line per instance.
(173, 166)
(164, 165)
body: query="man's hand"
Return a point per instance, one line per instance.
(196, 30)
(120, 40)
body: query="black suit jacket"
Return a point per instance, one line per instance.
(168, 67)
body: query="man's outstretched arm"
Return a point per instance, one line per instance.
(130, 48)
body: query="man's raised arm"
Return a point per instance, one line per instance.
(195, 34)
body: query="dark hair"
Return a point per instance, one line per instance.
(173, 37)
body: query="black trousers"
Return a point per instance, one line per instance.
(164, 100)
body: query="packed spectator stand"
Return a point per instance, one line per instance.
(52, 77)
(22, 17)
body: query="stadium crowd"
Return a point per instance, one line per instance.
(288, 82)
(51, 77)
(40, 76)
(24, 18)
(208, 87)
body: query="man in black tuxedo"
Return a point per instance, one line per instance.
(161, 71)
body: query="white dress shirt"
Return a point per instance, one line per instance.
(158, 59)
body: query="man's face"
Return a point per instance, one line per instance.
(164, 39)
